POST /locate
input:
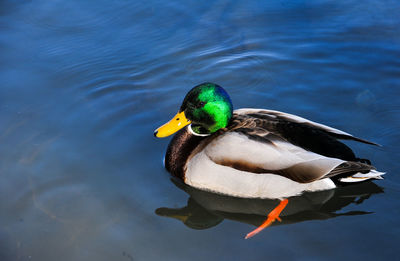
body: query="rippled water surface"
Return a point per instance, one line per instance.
(85, 83)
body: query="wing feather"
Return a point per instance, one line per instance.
(277, 156)
(281, 116)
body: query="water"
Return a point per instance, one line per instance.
(85, 83)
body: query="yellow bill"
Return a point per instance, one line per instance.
(178, 122)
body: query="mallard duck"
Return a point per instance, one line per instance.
(256, 153)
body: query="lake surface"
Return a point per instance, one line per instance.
(85, 83)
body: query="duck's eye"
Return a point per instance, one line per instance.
(201, 104)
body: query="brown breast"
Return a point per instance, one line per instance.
(179, 150)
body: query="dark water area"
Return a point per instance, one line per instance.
(85, 83)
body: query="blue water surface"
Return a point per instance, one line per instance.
(85, 83)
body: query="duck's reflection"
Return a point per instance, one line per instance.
(205, 209)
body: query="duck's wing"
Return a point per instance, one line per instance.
(271, 154)
(311, 136)
(277, 116)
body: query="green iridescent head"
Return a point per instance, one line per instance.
(207, 107)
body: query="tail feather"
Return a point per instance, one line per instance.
(358, 177)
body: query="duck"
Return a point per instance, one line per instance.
(257, 153)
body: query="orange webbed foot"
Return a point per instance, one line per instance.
(272, 216)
